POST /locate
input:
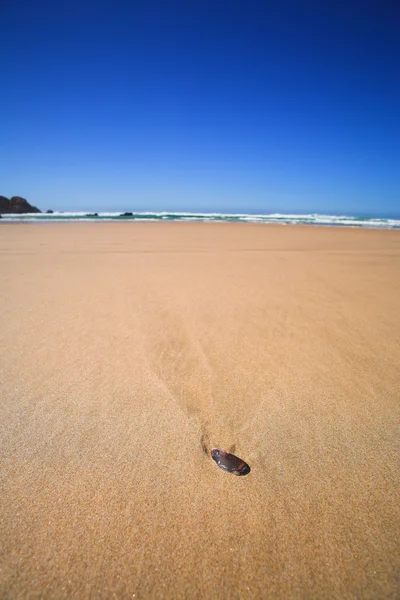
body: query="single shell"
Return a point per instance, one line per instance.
(229, 462)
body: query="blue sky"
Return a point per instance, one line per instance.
(218, 106)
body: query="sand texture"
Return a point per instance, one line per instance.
(128, 350)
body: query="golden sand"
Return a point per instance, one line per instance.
(128, 349)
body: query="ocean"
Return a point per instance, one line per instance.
(276, 218)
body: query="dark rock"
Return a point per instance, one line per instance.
(127, 214)
(16, 205)
(92, 215)
(49, 212)
(4, 204)
(20, 205)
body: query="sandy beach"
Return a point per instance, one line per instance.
(129, 350)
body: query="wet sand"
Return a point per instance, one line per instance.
(129, 350)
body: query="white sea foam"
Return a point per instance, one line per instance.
(276, 218)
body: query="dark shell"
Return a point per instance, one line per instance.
(229, 462)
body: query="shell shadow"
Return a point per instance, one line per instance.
(205, 441)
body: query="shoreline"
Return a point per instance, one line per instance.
(188, 223)
(272, 218)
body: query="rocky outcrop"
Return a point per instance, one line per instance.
(16, 205)
(4, 204)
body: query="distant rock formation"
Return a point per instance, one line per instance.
(16, 205)
(49, 212)
(4, 204)
(127, 214)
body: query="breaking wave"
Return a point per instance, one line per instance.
(276, 218)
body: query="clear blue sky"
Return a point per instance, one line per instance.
(202, 105)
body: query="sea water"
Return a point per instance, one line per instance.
(277, 218)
